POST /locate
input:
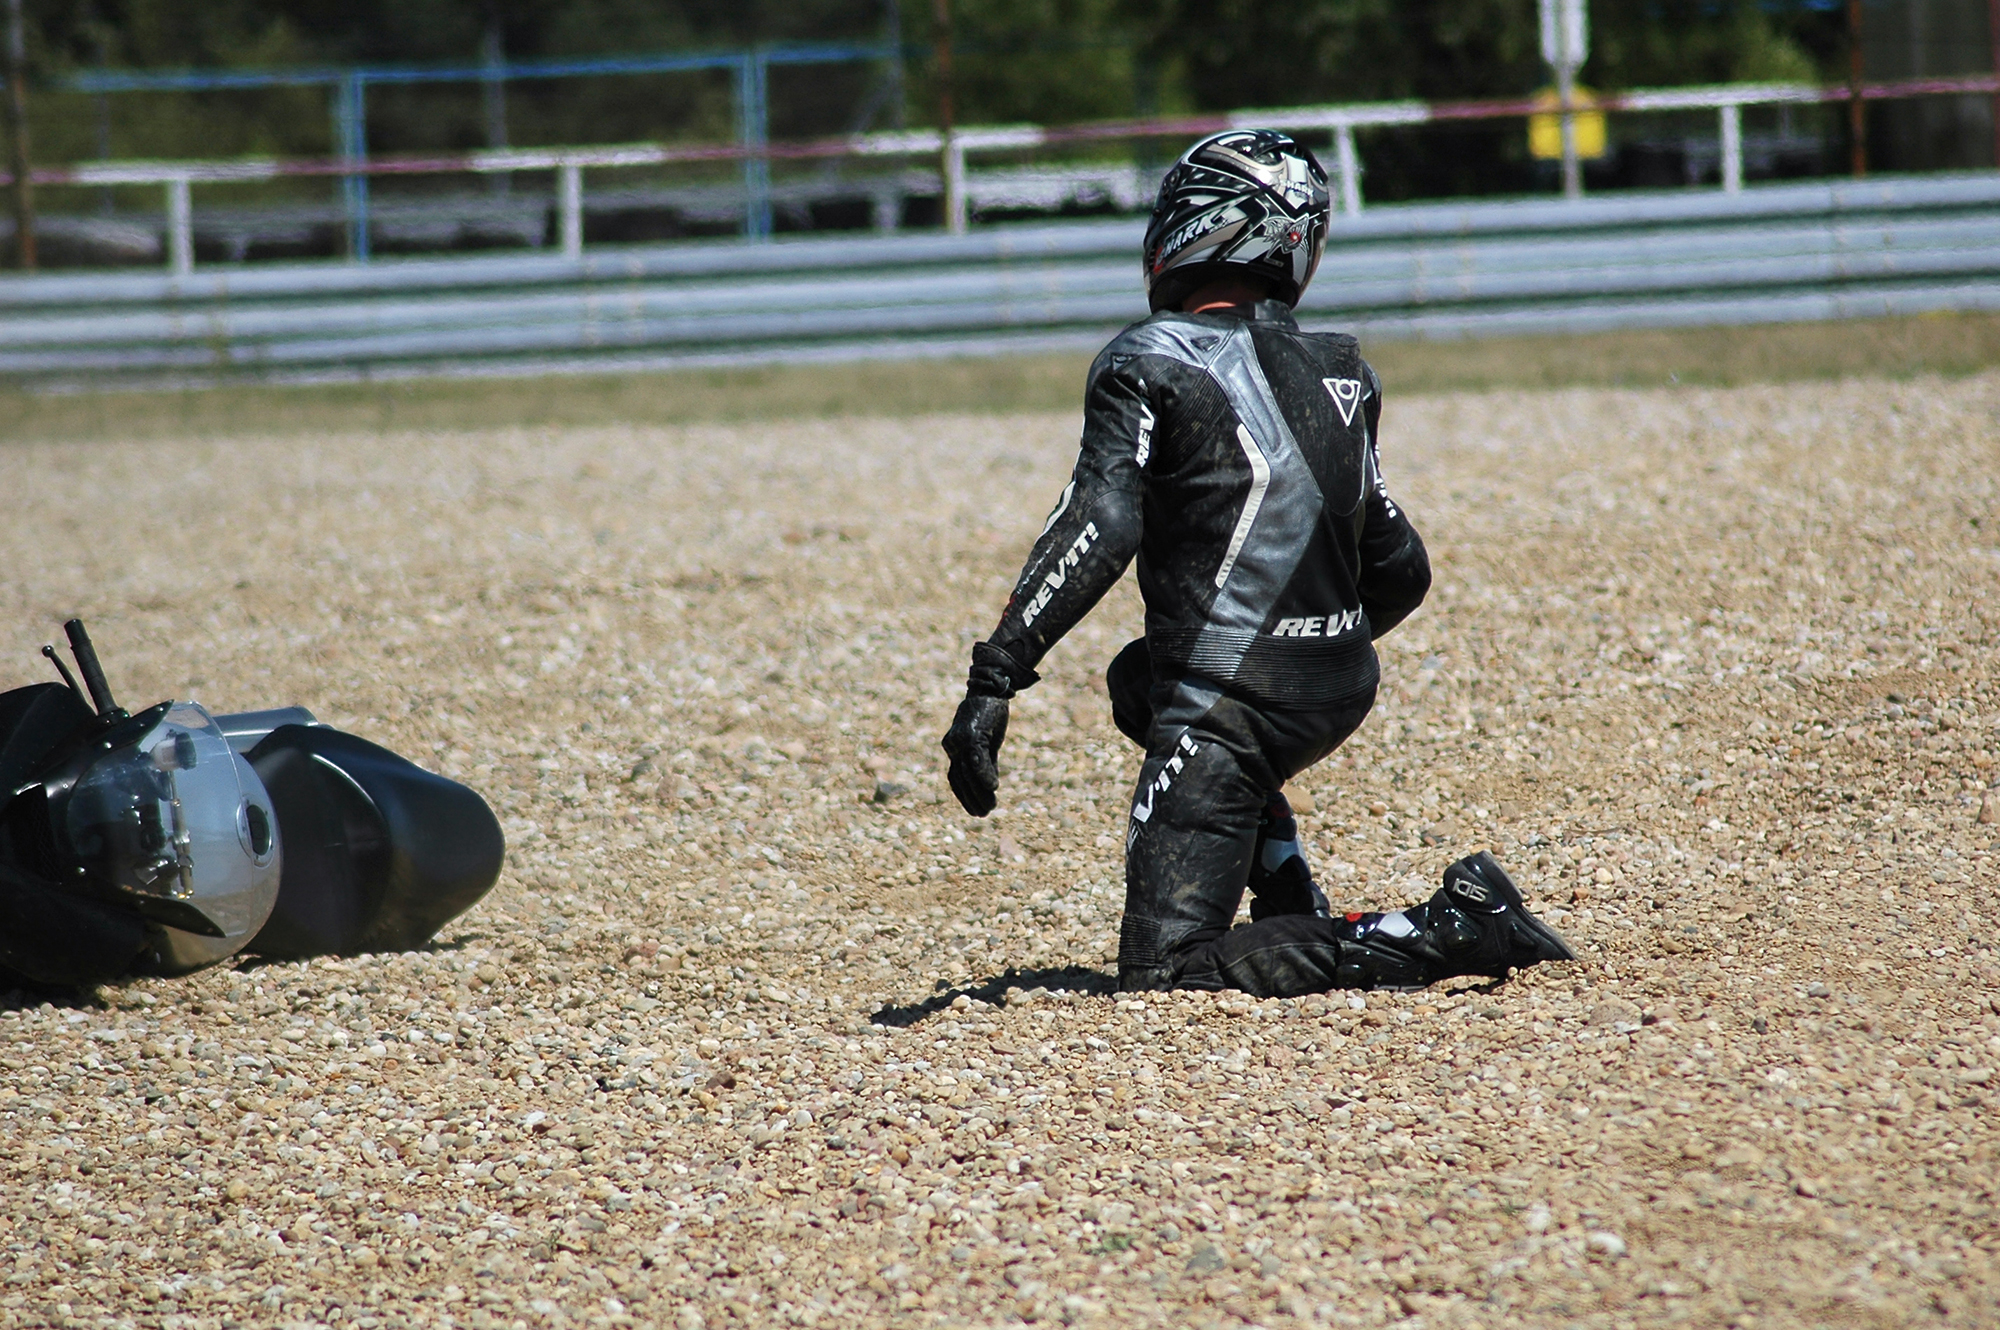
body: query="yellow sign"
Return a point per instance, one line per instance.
(1545, 135)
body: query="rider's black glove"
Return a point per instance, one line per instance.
(973, 741)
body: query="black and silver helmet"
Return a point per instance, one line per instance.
(1242, 203)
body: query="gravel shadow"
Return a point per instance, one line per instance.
(245, 962)
(24, 994)
(1069, 978)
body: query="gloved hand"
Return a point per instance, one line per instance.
(973, 741)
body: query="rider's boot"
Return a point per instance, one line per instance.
(1476, 924)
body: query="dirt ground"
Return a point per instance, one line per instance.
(760, 1030)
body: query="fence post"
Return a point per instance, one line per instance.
(1349, 165)
(180, 228)
(892, 39)
(493, 86)
(18, 164)
(570, 209)
(951, 164)
(753, 114)
(1857, 109)
(954, 183)
(1731, 114)
(350, 117)
(1993, 35)
(1572, 167)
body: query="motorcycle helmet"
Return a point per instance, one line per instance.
(1245, 203)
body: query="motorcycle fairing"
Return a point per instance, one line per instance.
(34, 722)
(48, 933)
(61, 940)
(379, 853)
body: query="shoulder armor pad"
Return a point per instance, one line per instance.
(1170, 334)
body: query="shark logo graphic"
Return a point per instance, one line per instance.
(1346, 396)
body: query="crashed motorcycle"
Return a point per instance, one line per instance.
(160, 841)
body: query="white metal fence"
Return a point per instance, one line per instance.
(568, 165)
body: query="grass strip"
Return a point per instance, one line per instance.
(1947, 344)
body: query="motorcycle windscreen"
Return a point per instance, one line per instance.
(175, 823)
(379, 854)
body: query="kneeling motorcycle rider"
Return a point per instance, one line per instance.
(1236, 456)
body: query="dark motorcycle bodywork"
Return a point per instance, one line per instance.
(48, 932)
(377, 853)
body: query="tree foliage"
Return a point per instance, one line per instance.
(1231, 53)
(1223, 54)
(1046, 61)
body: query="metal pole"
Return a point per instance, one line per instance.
(570, 210)
(954, 185)
(351, 123)
(493, 88)
(106, 200)
(892, 24)
(1349, 165)
(1993, 35)
(17, 105)
(1566, 90)
(753, 114)
(180, 228)
(1857, 124)
(952, 166)
(1732, 148)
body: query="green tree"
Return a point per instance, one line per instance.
(1671, 42)
(1236, 53)
(1044, 61)
(1038, 61)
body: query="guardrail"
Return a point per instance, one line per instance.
(568, 164)
(1882, 246)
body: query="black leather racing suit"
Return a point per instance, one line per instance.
(1236, 457)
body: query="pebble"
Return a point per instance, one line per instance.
(1614, 1011)
(733, 1043)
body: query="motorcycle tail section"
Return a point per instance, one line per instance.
(379, 853)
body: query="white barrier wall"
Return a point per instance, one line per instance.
(1771, 253)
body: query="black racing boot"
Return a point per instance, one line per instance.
(1281, 882)
(1476, 924)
